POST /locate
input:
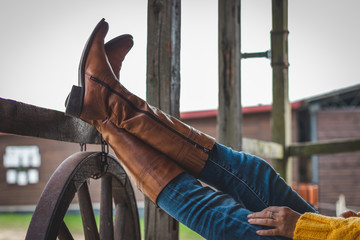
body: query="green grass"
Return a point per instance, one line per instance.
(14, 221)
(11, 221)
(187, 233)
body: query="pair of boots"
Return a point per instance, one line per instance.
(152, 146)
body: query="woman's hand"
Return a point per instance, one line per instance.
(282, 219)
(348, 214)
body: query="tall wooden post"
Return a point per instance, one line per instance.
(281, 111)
(163, 91)
(230, 114)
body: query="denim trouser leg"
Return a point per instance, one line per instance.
(249, 180)
(246, 183)
(212, 214)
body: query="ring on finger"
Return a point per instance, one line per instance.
(272, 215)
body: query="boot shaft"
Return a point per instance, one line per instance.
(150, 170)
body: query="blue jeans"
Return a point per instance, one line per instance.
(245, 184)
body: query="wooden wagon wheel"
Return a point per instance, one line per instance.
(71, 177)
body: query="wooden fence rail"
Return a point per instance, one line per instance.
(275, 151)
(263, 148)
(325, 147)
(28, 120)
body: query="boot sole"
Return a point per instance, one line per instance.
(75, 100)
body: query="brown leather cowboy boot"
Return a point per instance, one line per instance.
(100, 96)
(150, 170)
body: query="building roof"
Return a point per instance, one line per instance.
(352, 91)
(245, 110)
(355, 89)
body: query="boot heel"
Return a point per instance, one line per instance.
(74, 102)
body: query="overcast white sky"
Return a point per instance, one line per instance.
(41, 43)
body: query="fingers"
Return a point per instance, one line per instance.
(268, 212)
(261, 214)
(266, 217)
(348, 214)
(275, 231)
(263, 221)
(269, 232)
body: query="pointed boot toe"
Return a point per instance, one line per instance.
(93, 63)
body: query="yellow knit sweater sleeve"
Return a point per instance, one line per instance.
(311, 226)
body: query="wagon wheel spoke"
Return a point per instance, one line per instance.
(124, 210)
(87, 213)
(119, 220)
(64, 233)
(106, 208)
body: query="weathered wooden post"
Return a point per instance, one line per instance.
(163, 91)
(281, 111)
(230, 115)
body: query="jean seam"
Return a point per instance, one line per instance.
(241, 181)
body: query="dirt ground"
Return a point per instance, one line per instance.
(20, 235)
(12, 234)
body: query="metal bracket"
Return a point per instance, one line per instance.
(104, 165)
(266, 54)
(104, 154)
(83, 147)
